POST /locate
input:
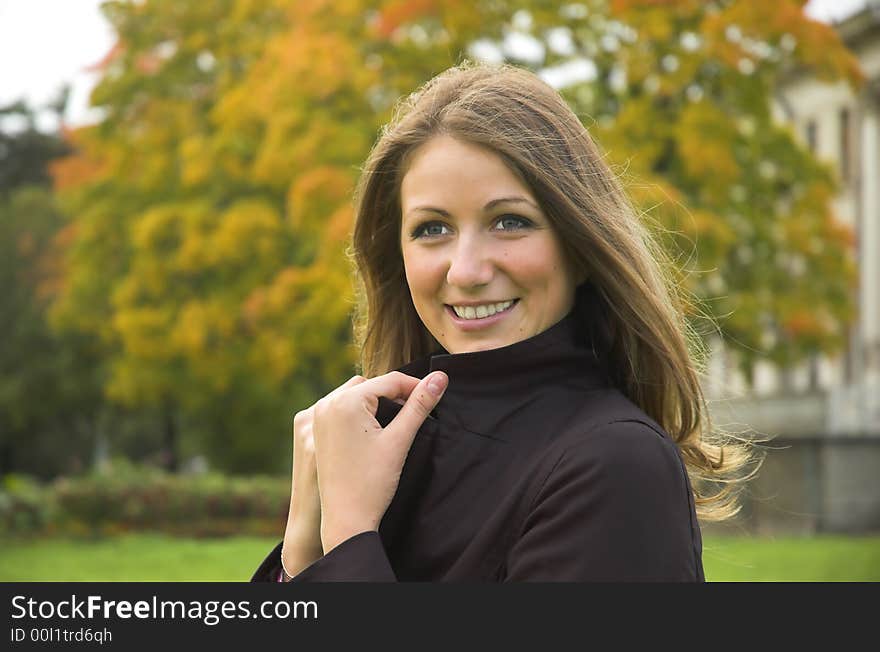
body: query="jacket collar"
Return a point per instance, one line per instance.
(486, 388)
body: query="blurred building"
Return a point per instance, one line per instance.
(822, 470)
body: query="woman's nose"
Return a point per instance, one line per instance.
(470, 265)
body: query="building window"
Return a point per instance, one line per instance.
(845, 150)
(812, 135)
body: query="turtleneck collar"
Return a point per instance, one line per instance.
(486, 387)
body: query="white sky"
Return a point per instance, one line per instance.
(45, 43)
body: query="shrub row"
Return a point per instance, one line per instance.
(123, 498)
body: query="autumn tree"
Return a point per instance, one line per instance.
(211, 212)
(211, 207)
(680, 95)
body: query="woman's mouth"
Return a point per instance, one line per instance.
(469, 318)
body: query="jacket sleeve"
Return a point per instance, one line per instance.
(616, 506)
(268, 570)
(360, 558)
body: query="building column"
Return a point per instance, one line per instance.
(869, 262)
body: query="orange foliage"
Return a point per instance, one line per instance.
(339, 225)
(112, 54)
(148, 64)
(399, 12)
(51, 269)
(78, 168)
(316, 191)
(803, 323)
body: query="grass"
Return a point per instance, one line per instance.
(814, 559)
(149, 557)
(133, 558)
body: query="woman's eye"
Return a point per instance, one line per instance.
(429, 229)
(437, 229)
(512, 222)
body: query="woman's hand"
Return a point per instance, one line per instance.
(302, 538)
(359, 462)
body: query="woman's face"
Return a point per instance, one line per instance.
(485, 267)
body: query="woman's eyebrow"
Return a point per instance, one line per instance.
(508, 200)
(489, 205)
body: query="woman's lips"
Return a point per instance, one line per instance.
(481, 322)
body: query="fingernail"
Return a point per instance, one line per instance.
(437, 384)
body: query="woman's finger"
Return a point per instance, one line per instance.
(302, 420)
(393, 385)
(351, 382)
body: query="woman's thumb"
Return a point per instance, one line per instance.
(421, 401)
(437, 383)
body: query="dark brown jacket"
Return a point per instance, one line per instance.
(531, 468)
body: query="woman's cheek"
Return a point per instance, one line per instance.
(424, 275)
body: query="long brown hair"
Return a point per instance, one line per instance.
(527, 123)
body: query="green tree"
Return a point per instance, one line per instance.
(49, 398)
(25, 151)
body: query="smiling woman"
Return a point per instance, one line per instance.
(480, 276)
(529, 408)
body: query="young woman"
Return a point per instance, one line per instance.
(529, 408)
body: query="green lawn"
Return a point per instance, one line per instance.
(817, 559)
(158, 558)
(134, 557)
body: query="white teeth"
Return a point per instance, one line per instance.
(485, 310)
